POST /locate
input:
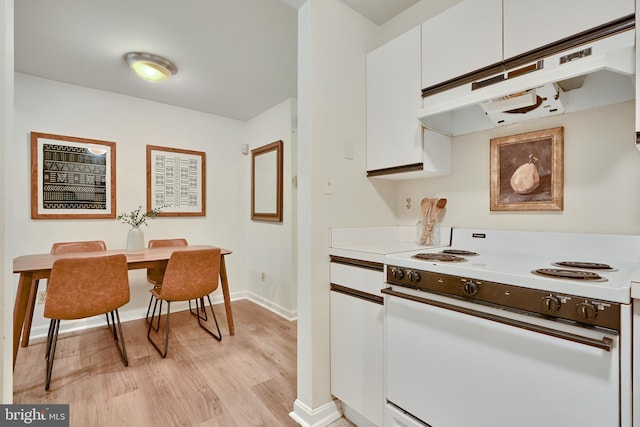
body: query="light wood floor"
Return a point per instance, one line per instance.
(248, 379)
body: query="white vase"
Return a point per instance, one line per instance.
(135, 240)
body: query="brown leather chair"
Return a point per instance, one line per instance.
(71, 247)
(155, 275)
(84, 287)
(57, 248)
(190, 275)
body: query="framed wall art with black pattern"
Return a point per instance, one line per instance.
(72, 178)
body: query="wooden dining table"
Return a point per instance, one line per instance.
(32, 268)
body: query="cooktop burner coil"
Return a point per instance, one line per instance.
(439, 257)
(569, 274)
(584, 265)
(458, 252)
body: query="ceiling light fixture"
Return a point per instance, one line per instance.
(150, 67)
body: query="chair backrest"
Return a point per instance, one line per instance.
(87, 286)
(70, 247)
(191, 274)
(159, 243)
(155, 275)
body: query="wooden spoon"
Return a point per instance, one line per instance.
(438, 205)
(433, 214)
(425, 205)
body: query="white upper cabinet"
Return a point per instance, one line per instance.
(531, 24)
(394, 135)
(461, 39)
(475, 34)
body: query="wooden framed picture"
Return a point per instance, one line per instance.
(266, 182)
(72, 178)
(527, 171)
(176, 181)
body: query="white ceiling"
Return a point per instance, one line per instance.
(235, 58)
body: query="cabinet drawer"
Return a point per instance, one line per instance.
(359, 278)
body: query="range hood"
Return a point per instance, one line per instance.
(582, 76)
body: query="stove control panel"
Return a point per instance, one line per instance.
(535, 301)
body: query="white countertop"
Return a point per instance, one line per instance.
(373, 243)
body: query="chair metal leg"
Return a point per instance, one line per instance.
(197, 312)
(200, 319)
(163, 353)
(118, 336)
(112, 325)
(150, 322)
(52, 339)
(149, 308)
(49, 336)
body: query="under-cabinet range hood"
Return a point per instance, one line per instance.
(572, 75)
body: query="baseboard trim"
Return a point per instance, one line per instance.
(136, 313)
(126, 315)
(319, 417)
(271, 306)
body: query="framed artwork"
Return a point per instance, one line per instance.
(266, 182)
(176, 181)
(527, 171)
(72, 178)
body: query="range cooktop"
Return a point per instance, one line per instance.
(513, 257)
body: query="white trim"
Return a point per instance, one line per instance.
(319, 417)
(135, 314)
(271, 306)
(126, 315)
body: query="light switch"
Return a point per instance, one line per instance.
(328, 185)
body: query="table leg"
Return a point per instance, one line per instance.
(26, 329)
(225, 294)
(20, 309)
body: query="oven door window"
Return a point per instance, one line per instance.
(452, 369)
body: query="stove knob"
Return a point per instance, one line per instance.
(551, 303)
(470, 288)
(397, 273)
(587, 311)
(413, 276)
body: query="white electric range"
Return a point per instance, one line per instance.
(482, 336)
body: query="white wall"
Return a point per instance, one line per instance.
(52, 107)
(601, 176)
(333, 41)
(271, 245)
(6, 124)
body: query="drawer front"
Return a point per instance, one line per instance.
(359, 278)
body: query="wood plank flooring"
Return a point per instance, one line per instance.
(245, 380)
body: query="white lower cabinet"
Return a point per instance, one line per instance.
(357, 317)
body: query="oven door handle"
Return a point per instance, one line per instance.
(605, 343)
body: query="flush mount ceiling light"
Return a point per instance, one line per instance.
(150, 67)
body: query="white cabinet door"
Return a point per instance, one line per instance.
(357, 355)
(532, 24)
(461, 39)
(394, 135)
